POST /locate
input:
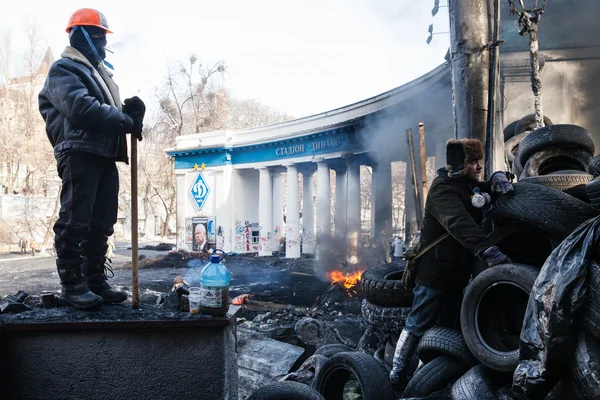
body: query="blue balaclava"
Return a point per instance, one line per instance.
(93, 48)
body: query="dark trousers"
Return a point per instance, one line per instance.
(88, 205)
(431, 306)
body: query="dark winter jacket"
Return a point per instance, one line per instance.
(82, 112)
(448, 209)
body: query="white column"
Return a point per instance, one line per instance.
(278, 225)
(440, 155)
(308, 213)
(265, 212)
(382, 204)
(323, 207)
(292, 228)
(181, 207)
(340, 203)
(353, 209)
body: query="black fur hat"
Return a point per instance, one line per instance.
(461, 151)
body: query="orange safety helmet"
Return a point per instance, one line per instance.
(88, 17)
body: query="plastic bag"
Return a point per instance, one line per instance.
(547, 338)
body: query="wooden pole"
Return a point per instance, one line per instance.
(423, 161)
(415, 181)
(135, 295)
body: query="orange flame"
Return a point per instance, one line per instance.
(347, 279)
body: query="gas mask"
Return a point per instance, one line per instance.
(480, 199)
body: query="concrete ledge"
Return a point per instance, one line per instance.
(152, 354)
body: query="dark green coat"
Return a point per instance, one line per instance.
(448, 209)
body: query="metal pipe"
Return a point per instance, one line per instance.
(490, 153)
(135, 295)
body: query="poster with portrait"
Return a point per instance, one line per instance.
(203, 235)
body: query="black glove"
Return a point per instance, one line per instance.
(134, 105)
(493, 256)
(500, 183)
(135, 108)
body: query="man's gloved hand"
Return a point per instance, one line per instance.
(134, 105)
(134, 126)
(135, 108)
(500, 183)
(493, 256)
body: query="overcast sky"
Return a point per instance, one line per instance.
(298, 56)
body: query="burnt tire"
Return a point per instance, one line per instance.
(382, 286)
(509, 130)
(492, 314)
(387, 319)
(593, 167)
(433, 376)
(550, 210)
(511, 146)
(330, 349)
(592, 189)
(440, 341)
(554, 159)
(561, 135)
(372, 376)
(286, 391)
(586, 367)
(559, 181)
(527, 124)
(591, 309)
(474, 385)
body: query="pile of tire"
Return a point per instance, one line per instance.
(386, 303)
(555, 156)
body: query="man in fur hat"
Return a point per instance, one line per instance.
(445, 269)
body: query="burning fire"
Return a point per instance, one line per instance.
(347, 279)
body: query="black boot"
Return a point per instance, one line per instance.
(405, 348)
(75, 291)
(96, 270)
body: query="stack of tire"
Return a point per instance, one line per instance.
(386, 303)
(556, 156)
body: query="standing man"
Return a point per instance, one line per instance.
(86, 124)
(444, 271)
(399, 248)
(32, 245)
(23, 244)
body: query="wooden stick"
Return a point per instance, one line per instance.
(135, 295)
(423, 161)
(415, 180)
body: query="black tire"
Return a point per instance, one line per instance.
(593, 167)
(380, 356)
(474, 385)
(382, 286)
(550, 210)
(330, 349)
(554, 159)
(559, 182)
(561, 135)
(433, 376)
(440, 341)
(511, 146)
(527, 124)
(387, 319)
(371, 375)
(586, 366)
(509, 130)
(285, 391)
(592, 189)
(492, 314)
(517, 168)
(591, 309)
